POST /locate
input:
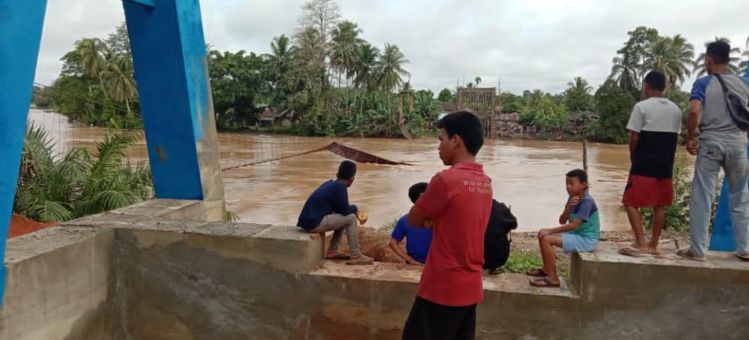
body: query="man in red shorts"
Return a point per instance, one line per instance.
(456, 204)
(654, 125)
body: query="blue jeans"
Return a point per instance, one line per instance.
(712, 156)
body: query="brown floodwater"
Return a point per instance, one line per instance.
(527, 175)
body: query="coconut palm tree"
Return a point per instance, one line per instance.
(119, 79)
(672, 56)
(745, 58)
(478, 81)
(280, 57)
(89, 54)
(364, 72)
(344, 42)
(390, 68)
(733, 63)
(626, 72)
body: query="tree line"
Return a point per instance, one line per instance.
(326, 79)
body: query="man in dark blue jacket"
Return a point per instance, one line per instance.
(328, 209)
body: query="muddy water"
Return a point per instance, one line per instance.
(527, 175)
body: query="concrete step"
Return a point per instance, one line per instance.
(507, 283)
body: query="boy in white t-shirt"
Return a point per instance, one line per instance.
(654, 127)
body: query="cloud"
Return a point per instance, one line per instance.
(527, 44)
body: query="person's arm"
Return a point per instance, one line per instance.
(561, 229)
(396, 247)
(696, 98)
(417, 219)
(634, 138)
(571, 203)
(341, 204)
(429, 204)
(695, 106)
(635, 125)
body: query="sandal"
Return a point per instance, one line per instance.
(544, 282)
(337, 256)
(635, 252)
(743, 256)
(538, 272)
(360, 260)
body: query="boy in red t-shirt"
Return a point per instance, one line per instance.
(456, 205)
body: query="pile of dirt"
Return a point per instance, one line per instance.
(374, 243)
(20, 225)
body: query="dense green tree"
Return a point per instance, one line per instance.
(445, 95)
(613, 104)
(236, 83)
(510, 102)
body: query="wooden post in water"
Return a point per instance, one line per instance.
(585, 154)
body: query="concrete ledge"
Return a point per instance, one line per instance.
(59, 285)
(662, 298)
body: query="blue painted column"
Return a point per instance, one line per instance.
(722, 238)
(20, 33)
(170, 59)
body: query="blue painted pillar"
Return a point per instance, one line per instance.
(722, 238)
(20, 33)
(170, 59)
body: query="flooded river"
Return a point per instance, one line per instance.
(527, 175)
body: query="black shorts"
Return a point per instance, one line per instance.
(430, 321)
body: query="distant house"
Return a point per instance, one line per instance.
(270, 116)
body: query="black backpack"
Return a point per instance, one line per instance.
(737, 108)
(496, 244)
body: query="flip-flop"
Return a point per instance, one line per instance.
(743, 256)
(338, 256)
(538, 272)
(543, 282)
(361, 260)
(635, 252)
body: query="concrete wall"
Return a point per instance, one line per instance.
(60, 285)
(131, 274)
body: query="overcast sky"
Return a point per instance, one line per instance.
(527, 44)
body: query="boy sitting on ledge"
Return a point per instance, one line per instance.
(579, 233)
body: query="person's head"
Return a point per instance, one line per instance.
(718, 55)
(416, 190)
(346, 172)
(461, 134)
(577, 182)
(654, 84)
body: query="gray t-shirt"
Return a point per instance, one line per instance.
(715, 122)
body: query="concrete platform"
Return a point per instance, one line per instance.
(127, 275)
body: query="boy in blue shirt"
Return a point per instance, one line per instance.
(579, 232)
(418, 239)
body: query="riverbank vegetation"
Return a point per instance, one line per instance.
(325, 78)
(55, 188)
